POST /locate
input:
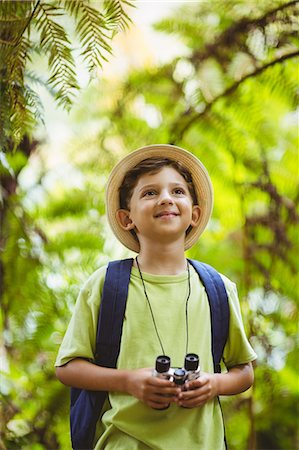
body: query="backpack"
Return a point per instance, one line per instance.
(86, 405)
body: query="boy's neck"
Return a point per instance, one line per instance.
(168, 260)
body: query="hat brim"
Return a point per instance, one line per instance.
(201, 180)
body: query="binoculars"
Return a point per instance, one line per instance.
(179, 375)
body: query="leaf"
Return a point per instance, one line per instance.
(55, 42)
(92, 29)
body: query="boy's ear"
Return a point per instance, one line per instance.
(196, 214)
(124, 220)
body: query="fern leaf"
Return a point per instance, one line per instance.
(115, 15)
(72, 6)
(34, 103)
(95, 29)
(13, 91)
(55, 42)
(93, 33)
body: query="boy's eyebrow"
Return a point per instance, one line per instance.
(154, 185)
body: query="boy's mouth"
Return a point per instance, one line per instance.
(166, 214)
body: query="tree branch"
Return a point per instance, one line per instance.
(27, 23)
(177, 131)
(225, 38)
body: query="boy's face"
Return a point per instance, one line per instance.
(161, 208)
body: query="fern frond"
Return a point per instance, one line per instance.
(14, 55)
(4, 116)
(55, 42)
(10, 10)
(21, 120)
(13, 94)
(72, 7)
(95, 28)
(115, 15)
(17, 62)
(32, 77)
(34, 103)
(92, 30)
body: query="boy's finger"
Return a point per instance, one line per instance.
(154, 381)
(169, 392)
(158, 398)
(193, 402)
(156, 405)
(192, 394)
(196, 384)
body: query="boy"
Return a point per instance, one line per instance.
(159, 200)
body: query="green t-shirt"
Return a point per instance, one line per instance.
(127, 423)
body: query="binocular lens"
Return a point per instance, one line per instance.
(179, 376)
(162, 363)
(191, 361)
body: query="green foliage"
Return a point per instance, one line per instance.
(38, 26)
(55, 42)
(231, 99)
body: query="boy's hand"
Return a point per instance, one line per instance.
(199, 391)
(155, 392)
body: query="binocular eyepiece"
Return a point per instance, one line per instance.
(179, 375)
(162, 364)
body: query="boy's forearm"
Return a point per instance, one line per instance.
(155, 392)
(238, 379)
(85, 375)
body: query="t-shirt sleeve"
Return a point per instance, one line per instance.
(237, 349)
(80, 337)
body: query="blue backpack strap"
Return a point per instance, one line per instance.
(86, 406)
(219, 308)
(112, 311)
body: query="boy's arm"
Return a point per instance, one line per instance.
(82, 374)
(139, 383)
(238, 379)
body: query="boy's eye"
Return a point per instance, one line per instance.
(179, 191)
(149, 193)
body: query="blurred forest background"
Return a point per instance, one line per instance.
(226, 88)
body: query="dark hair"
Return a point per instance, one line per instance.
(152, 165)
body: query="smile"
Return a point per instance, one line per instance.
(167, 214)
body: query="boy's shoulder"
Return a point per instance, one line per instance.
(96, 276)
(228, 283)
(94, 283)
(230, 286)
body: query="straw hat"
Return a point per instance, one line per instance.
(200, 177)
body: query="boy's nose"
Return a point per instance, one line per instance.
(165, 198)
